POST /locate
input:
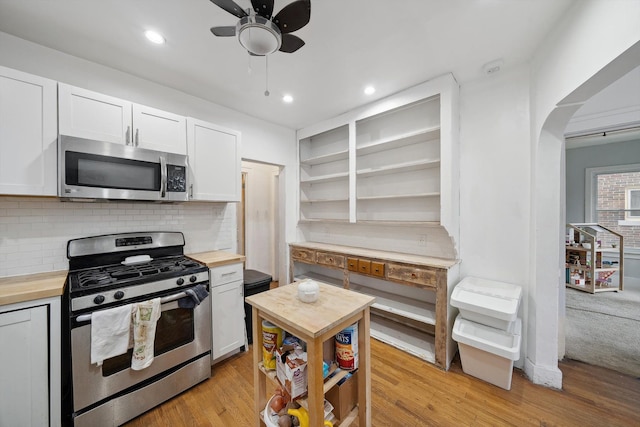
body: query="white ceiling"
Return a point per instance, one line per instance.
(391, 44)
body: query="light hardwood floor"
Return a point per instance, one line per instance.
(409, 392)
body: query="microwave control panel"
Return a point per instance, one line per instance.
(176, 179)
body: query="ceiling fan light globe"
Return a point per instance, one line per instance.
(258, 35)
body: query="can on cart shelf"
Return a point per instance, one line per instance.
(271, 340)
(347, 348)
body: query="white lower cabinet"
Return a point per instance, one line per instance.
(30, 364)
(28, 134)
(227, 299)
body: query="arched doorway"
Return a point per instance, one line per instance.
(546, 303)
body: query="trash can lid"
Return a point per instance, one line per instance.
(253, 277)
(489, 297)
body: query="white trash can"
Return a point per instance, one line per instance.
(488, 353)
(488, 302)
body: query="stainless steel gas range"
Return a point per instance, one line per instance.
(110, 271)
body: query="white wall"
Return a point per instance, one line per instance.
(595, 43)
(494, 178)
(260, 140)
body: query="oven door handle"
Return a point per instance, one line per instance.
(170, 298)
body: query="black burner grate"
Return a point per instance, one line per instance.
(115, 274)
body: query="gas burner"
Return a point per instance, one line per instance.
(119, 275)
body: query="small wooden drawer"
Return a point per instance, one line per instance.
(303, 254)
(377, 268)
(420, 276)
(331, 260)
(364, 266)
(352, 264)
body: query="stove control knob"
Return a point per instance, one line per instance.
(118, 295)
(193, 279)
(180, 281)
(98, 299)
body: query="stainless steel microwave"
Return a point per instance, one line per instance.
(89, 169)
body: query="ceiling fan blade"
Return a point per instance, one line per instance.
(293, 16)
(224, 31)
(263, 7)
(231, 7)
(290, 43)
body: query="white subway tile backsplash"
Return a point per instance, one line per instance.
(34, 232)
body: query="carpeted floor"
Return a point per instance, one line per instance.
(604, 329)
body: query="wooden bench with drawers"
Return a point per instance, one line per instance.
(420, 327)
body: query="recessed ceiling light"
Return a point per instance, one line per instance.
(369, 90)
(154, 37)
(288, 99)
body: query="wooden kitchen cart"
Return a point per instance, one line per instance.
(314, 323)
(412, 293)
(586, 268)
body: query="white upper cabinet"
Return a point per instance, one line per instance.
(159, 130)
(28, 134)
(214, 162)
(92, 115)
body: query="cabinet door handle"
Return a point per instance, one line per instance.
(137, 140)
(191, 191)
(128, 136)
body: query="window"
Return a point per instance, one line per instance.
(613, 200)
(632, 201)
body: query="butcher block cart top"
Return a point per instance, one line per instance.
(314, 323)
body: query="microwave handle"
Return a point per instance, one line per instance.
(163, 177)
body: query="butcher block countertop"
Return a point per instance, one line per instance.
(333, 306)
(32, 287)
(217, 258)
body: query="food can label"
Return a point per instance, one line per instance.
(347, 348)
(271, 340)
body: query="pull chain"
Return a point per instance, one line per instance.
(266, 82)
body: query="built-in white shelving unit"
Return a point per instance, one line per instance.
(324, 175)
(385, 177)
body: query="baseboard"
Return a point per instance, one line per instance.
(548, 376)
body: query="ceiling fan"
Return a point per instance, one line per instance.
(262, 33)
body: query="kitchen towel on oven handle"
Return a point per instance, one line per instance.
(110, 333)
(194, 296)
(145, 316)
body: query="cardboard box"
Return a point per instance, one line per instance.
(344, 396)
(291, 371)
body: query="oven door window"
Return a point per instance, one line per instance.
(92, 170)
(175, 328)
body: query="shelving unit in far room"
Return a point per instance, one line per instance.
(593, 273)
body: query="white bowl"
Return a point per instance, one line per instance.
(308, 291)
(586, 245)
